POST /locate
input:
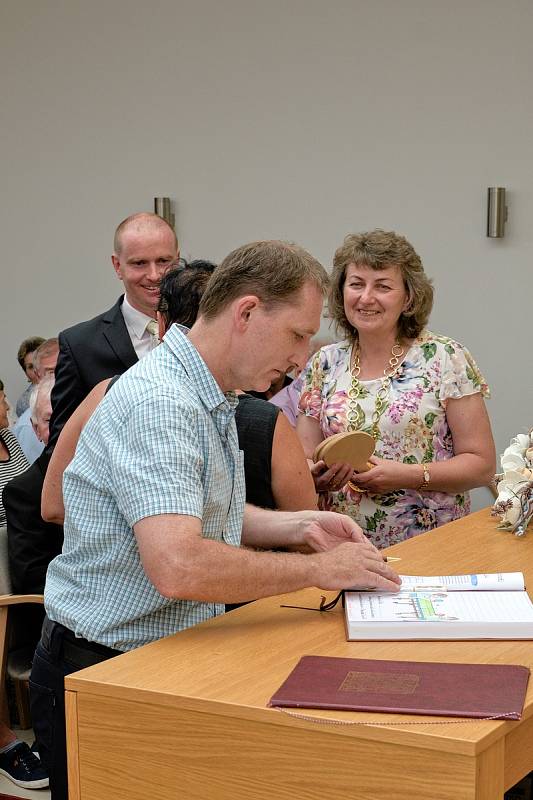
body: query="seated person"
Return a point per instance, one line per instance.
(44, 363)
(32, 543)
(17, 761)
(25, 359)
(12, 459)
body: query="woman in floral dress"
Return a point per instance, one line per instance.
(419, 394)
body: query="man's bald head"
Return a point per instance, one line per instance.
(145, 248)
(141, 223)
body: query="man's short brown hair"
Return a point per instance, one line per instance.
(273, 271)
(28, 346)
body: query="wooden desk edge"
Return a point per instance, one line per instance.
(372, 730)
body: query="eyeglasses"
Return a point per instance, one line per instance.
(324, 606)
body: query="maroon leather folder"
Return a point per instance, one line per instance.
(405, 687)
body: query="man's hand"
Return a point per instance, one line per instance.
(355, 565)
(322, 530)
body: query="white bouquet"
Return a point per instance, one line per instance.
(514, 503)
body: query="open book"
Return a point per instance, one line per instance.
(443, 607)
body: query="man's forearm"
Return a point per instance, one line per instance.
(211, 571)
(216, 572)
(182, 564)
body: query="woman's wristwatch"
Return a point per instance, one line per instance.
(426, 478)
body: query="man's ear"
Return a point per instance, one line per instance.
(244, 309)
(115, 260)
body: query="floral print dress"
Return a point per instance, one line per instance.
(413, 429)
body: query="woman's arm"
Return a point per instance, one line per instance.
(292, 484)
(52, 508)
(473, 463)
(309, 433)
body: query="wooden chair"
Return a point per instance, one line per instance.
(15, 663)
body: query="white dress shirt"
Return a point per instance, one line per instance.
(142, 340)
(29, 443)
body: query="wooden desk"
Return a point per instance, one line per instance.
(186, 717)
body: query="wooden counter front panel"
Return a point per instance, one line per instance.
(125, 746)
(518, 752)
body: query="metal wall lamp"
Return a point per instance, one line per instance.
(496, 212)
(163, 208)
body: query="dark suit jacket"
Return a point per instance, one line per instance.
(88, 353)
(31, 542)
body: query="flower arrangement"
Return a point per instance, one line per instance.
(514, 503)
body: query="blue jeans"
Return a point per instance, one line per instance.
(58, 653)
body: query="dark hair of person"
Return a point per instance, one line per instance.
(200, 263)
(181, 290)
(28, 346)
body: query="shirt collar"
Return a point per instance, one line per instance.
(135, 320)
(210, 394)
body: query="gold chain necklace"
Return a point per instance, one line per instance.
(355, 390)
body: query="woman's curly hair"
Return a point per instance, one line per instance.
(379, 249)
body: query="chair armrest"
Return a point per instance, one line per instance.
(18, 599)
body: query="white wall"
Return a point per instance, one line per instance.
(300, 119)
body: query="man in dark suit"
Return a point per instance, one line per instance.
(145, 246)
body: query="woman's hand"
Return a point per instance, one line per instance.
(331, 479)
(386, 476)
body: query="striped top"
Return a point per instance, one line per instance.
(15, 465)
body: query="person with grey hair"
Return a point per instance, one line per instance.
(41, 408)
(44, 363)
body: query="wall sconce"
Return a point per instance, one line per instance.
(163, 208)
(496, 212)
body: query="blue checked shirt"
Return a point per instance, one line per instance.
(162, 441)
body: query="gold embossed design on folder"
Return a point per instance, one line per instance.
(391, 683)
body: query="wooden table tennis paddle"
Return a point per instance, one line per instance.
(354, 448)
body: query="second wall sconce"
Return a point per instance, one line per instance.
(496, 212)
(163, 208)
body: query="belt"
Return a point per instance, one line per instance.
(63, 643)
